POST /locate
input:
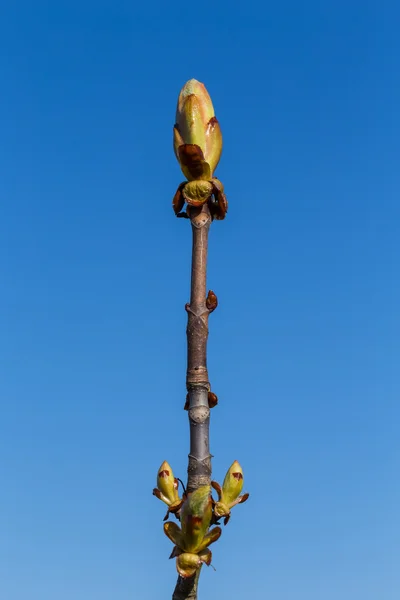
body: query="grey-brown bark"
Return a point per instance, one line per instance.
(186, 589)
(199, 468)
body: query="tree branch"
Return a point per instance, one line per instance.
(198, 386)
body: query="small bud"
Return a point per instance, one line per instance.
(211, 301)
(229, 494)
(212, 400)
(233, 483)
(187, 403)
(167, 488)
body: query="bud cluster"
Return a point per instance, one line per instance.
(197, 512)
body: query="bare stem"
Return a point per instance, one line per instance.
(186, 589)
(199, 468)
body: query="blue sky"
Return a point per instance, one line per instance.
(304, 348)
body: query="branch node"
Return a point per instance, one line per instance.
(198, 311)
(199, 217)
(202, 461)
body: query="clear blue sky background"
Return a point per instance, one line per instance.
(304, 349)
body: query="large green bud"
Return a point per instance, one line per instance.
(197, 134)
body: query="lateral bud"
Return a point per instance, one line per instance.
(167, 489)
(211, 301)
(229, 493)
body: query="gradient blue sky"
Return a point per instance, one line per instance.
(304, 349)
